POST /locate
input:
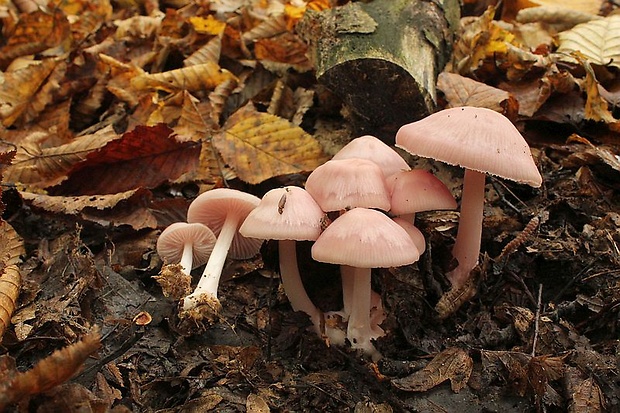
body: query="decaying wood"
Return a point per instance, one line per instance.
(382, 58)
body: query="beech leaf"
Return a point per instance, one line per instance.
(597, 40)
(43, 167)
(259, 146)
(145, 157)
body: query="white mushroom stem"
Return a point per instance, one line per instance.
(293, 286)
(210, 279)
(187, 257)
(359, 331)
(347, 274)
(468, 238)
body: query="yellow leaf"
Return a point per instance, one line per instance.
(193, 78)
(208, 25)
(259, 146)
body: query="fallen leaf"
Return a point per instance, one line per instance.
(598, 41)
(143, 158)
(462, 91)
(19, 87)
(192, 78)
(35, 32)
(53, 370)
(452, 364)
(42, 167)
(259, 146)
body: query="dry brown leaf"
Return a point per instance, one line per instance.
(40, 168)
(210, 52)
(259, 146)
(587, 397)
(270, 27)
(192, 78)
(256, 404)
(53, 370)
(598, 41)
(18, 88)
(143, 158)
(597, 108)
(73, 205)
(452, 364)
(34, 33)
(462, 91)
(10, 283)
(283, 52)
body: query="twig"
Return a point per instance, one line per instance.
(536, 320)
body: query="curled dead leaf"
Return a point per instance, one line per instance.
(10, 282)
(452, 364)
(192, 78)
(53, 370)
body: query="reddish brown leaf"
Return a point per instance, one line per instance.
(143, 158)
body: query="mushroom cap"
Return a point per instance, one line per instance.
(365, 238)
(418, 190)
(348, 183)
(288, 213)
(211, 208)
(374, 149)
(416, 235)
(475, 138)
(172, 240)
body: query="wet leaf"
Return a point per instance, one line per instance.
(598, 41)
(452, 364)
(259, 146)
(143, 158)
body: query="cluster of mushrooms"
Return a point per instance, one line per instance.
(373, 195)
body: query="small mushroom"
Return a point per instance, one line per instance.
(187, 244)
(223, 210)
(481, 141)
(363, 239)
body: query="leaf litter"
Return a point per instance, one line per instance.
(116, 115)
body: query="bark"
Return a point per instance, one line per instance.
(382, 58)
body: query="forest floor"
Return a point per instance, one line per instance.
(537, 330)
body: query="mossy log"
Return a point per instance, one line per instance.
(382, 58)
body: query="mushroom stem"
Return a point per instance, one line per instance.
(187, 257)
(359, 331)
(293, 286)
(210, 279)
(468, 238)
(347, 274)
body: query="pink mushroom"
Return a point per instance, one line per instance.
(288, 214)
(481, 141)
(187, 244)
(223, 210)
(364, 239)
(373, 149)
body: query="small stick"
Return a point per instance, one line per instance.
(538, 305)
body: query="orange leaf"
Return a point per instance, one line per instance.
(143, 158)
(286, 48)
(192, 78)
(34, 33)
